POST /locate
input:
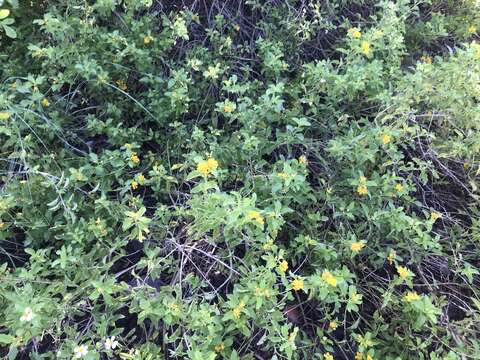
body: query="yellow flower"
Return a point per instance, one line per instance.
(238, 310)
(141, 178)
(362, 190)
(411, 296)
(174, 307)
(472, 29)
(268, 245)
(391, 256)
(386, 139)
(121, 84)
(402, 272)
(4, 115)
(134, 185)
(357, 246)
(329, 278)
(212, 164)
(369, 357)
(435, 216)
(303, 160)
(328, 356)
(365, 48)
(297, 284)
(426, 59)
(358, 356)
(354, 33)
(134, 158)
(227, 108)
(203, 168)
(147, 39)
(293, 335)
(206, 167)
(256, 216)
(333, 325)
(45, 102)
(399, 187)
(355, 297)
(236, 313)
(219, 347)
(283, 267)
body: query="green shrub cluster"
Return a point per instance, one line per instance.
(239, 179)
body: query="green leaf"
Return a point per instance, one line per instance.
(10, 32)
(6, 339)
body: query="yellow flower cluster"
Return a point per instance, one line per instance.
(362, 188)
(399, 187)
(297, 284)
(238, 310)
(328, 356)
(359, 356)
(45, 102)
(386, 139)
(206, 167)
(354, 33)
(256, 216)
(303, 160)
(329, 278)
(411, 296)
(219, 347)
(333, 325)
(472, 29)
(134, 158)
(134, 185)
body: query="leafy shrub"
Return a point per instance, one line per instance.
(284, 180)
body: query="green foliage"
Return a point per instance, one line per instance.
(281, 180)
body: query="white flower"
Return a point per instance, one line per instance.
(27, 315)
(80, 351)
(111, 343)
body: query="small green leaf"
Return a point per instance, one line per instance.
(10, 32)
(6, 339)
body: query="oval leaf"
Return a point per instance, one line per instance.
(4, 13)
